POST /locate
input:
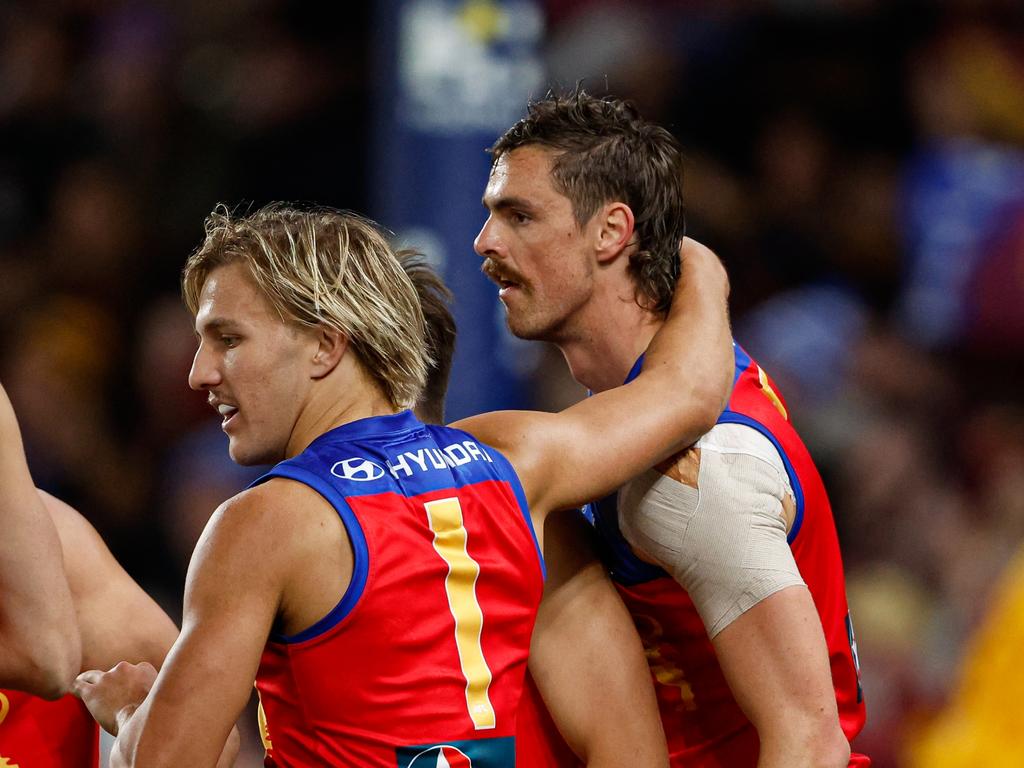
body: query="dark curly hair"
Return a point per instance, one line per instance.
(604, 151)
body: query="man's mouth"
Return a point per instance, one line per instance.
(226, 410)
(506, 280)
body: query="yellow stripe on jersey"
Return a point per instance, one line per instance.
(766, 387)
(445, 518)
(261, 720)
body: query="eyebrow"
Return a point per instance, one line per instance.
(216, 324)
(505, 203)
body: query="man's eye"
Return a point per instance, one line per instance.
(519, 218)
(229, 341)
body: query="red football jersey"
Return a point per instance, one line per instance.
(423, 659)
(35, 733)
(704, 725)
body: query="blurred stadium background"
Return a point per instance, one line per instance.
(858, 164)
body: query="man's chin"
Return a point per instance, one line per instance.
(249, 457)
(523, 329)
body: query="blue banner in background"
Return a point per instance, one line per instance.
(450, 78)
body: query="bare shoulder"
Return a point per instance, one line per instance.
(277, 503)
(280, 521)
(529, 440)
(297, 538)
(509, 431)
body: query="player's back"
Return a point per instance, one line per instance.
(425, 653)
(35, 733)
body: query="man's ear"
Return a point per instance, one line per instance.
(331, 346)
(614, 222)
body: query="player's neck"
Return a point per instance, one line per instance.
(345, 395)
(610, 337)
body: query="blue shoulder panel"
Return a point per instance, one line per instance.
(623, 565)
(731, 417)
(743, 361)
(360, 566)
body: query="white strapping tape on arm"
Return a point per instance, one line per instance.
(724, 541)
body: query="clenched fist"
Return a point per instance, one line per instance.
(113, 696)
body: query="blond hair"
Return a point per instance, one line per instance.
(325, 267)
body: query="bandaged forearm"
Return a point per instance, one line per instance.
(725, 540)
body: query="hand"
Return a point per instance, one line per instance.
(112, 697)
(695, 256)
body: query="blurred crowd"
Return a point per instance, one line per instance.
(858, 164)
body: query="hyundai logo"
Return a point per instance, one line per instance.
(360, 470)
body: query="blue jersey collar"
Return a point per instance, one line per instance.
(742, 363)
(372, 426)
(635, 370)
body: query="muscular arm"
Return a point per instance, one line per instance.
(776, 663)
(40, 649)
(586, 451)
(118, 621)
(716, 518)
(232, 595)
(587, 661)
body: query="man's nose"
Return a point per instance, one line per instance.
(204, 373)
(487, 242)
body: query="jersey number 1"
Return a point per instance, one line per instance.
(445, 518)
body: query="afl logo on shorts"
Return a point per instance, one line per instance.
(360, 470)
(445, 756)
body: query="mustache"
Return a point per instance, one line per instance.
(498, 273)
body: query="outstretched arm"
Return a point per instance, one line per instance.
(40, 649)
(584, 452)
(587, 660)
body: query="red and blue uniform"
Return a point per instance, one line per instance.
(422, 660)
(35, 733)
(704, 725)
